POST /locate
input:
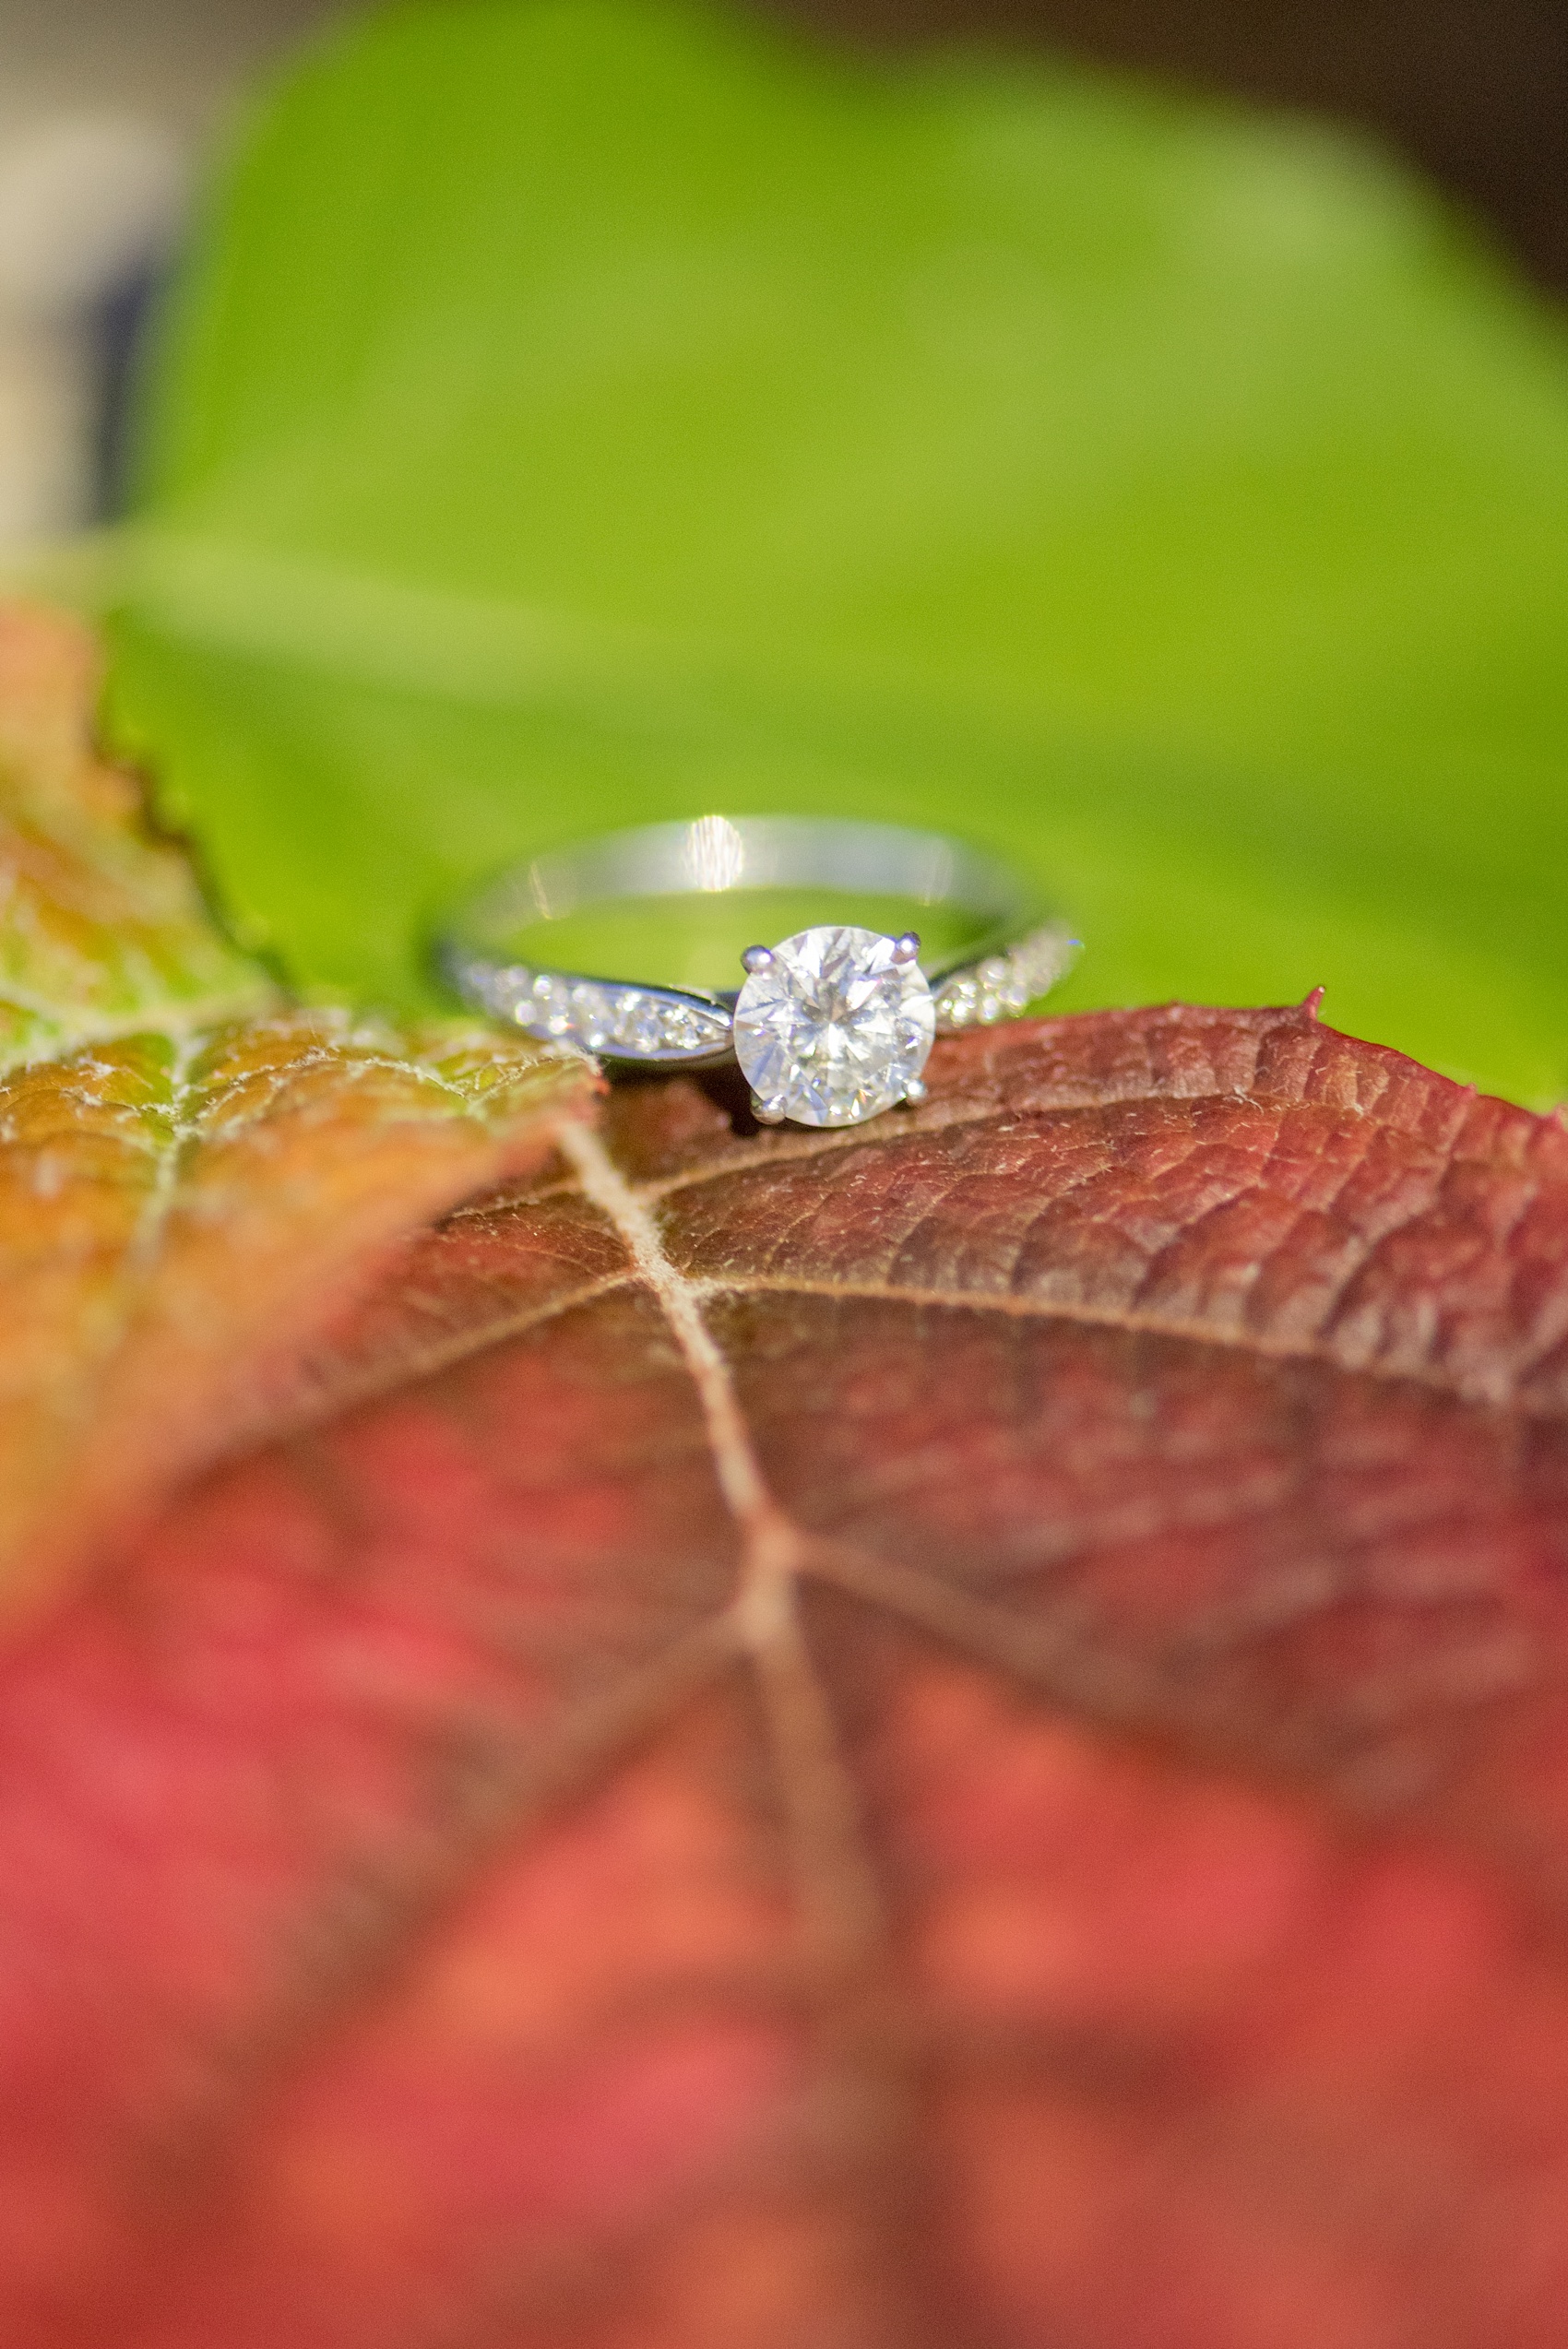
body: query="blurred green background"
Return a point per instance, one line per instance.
(571, 414)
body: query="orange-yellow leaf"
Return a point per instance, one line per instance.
(102, 928)
(177, 1220)
(192, 1175)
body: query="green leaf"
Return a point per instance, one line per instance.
(575, 414)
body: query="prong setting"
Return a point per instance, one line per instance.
(834, 1026)
(907, 948)
(757, 958)
(767, 1112)
(915, 1092)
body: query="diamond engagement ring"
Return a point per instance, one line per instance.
(832, 1024)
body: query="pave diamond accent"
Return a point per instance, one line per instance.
(831, 1028)
(627, 1023)
(1004, 985)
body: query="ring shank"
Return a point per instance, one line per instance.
(1011, 949)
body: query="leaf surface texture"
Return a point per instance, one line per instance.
(950, 1733)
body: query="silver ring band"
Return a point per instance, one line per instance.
(1014, 956)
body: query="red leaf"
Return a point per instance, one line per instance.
(942, 1735)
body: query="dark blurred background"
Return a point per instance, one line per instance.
(1475, 91)
(106, 104)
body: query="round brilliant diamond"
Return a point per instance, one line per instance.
(833, 1028)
